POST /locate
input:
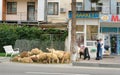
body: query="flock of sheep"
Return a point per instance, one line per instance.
(36, 55)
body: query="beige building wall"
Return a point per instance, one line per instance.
(21, 10)
(118, 0)
(63, 16)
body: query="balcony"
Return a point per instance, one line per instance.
(101, 9)
(20, 17)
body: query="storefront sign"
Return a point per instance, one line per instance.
(85, 14)
(110, 18)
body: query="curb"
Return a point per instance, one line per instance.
(105, 65)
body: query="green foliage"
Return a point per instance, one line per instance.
(10, 33)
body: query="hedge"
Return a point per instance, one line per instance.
(10, 33)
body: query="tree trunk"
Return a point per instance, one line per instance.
(73, 30)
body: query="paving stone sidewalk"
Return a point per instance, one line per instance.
(108, 61)
(4, 59)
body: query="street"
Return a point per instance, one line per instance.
(53, 69)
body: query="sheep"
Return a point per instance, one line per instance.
(51, 57)
(24, 54)
(35, 51)
(42, 57)
(25, 60)
(57, 52)
(34, 58)
(15, 59)
(47, 57)
(66, 57)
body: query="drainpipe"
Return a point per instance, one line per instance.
(45, 17)
(1, 9)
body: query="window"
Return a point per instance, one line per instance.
(79, 6)
(118, 7)
(92, 32)
(53, 8)
(11, 7)
(99, 7)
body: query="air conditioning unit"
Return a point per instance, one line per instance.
(62, 10)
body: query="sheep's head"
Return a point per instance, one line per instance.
(50, 49)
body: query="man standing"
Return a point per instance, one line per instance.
(101, 48)
(98, 50)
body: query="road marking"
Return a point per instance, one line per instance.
(54, 73)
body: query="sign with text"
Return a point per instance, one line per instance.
(85, 14)
(110, 18)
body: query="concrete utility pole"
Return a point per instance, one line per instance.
(73, 30)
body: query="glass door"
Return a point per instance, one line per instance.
(118, 44)
(80, 39)
(31, 11)
(113, 40)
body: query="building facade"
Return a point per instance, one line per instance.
(107, 26)
(54, 11)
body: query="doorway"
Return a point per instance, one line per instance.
(31, 11)
(113, 41)
(80, 39)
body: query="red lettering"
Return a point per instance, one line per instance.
(114, 18)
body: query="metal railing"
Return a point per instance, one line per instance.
(21, 16)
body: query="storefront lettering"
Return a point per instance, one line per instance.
(110, 18)
(115, 18)
(85, 14)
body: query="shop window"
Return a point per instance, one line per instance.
(92, 32)
(53, 8)
(80, 28)
(11, 7)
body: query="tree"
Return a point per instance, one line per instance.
(73, 30)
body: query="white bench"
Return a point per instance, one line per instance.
(9, 50)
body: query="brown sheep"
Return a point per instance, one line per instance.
(42, 57)
(26, 60)
(15, 59)
(34, 58)
(59, 53)
(66, 57)
(24, 54)
(51, 57)
(35, 51)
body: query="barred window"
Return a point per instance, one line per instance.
(78, 6)
(118, 7)
(53, 8)
(11, 7)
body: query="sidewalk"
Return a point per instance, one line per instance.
(108, 61)
(4, 59)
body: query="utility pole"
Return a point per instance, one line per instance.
(73, 27)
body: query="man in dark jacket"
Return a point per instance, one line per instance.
(98, 50)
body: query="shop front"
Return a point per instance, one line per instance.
(87, 29)
(110, 28)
